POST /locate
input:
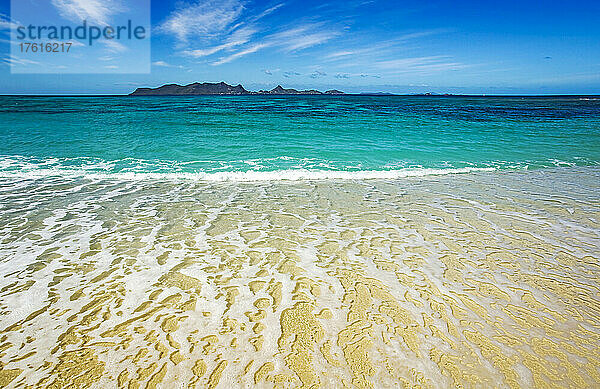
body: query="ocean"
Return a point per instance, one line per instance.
(216, 138)
(299, 241)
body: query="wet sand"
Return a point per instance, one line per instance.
(486, 279)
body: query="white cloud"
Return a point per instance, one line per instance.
(237, 38)
(14, 60)
(386, 47)
(310, 40)
(166, 65)
(409, 62)
(224, 29)
(345, 76)
(239, 54)
(114, 46)
(295, 39)
(205, 19)
(198, 53)
(94, 11)
(317, 74)
(268, 11)
(303, 37)
(76, 43)
(420, 34)
(339, 54)
(291, 74)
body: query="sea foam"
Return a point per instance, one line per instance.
(243, 176)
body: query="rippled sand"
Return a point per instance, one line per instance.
(475, 280)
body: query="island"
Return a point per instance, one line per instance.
(222, 88)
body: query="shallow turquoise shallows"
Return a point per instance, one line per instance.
(260, 137)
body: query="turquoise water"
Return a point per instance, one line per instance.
(260, 137)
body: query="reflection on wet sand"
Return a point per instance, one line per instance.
(478, 280)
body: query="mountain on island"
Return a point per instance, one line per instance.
(279, 90)
(221, 88)
(192, 90)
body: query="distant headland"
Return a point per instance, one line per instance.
(221, 88)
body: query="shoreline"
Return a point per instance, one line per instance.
(285, 176)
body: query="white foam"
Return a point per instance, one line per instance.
(244, 176)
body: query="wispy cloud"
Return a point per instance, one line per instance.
(114, 46)
(198, 53)
(421, 34)
(291, 40)
(164, 64)
(225, 28)
(389, 46)
(339, 54)
(291, 74)
(95, 11)
(267, 12)
(14, 60)
(317, 74)
(239, 54)
(345, 76)
(205, 19)
(76, 43)
(239, 37)
(303, 37)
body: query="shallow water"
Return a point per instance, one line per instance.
(484, 279)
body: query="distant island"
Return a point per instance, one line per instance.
(221, 88)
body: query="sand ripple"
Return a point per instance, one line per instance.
(481, 280)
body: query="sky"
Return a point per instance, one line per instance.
(474, 47)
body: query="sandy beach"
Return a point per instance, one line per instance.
(485, 279)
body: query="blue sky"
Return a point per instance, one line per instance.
(491, 47)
